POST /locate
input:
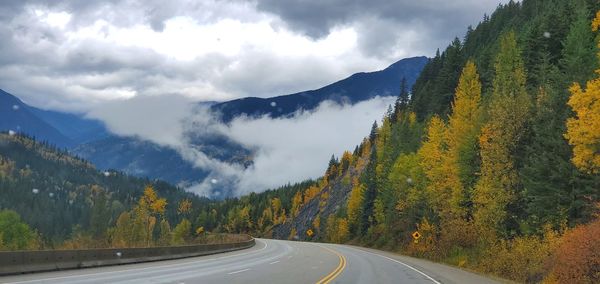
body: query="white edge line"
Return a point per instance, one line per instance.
(274, 262)
(239, 271)
(136, 269)
(397, 261)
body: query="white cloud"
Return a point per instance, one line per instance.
(286, 149)
(298, 148)
(158, 119)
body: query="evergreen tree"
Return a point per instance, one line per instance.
(579, 58)
(402, 100)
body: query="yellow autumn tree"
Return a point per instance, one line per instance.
(296, 203)
(583, 130)
(146, 213)
(278, 212)
(345, 162)
(432, 155)
(499, 138)
(266, 219)
(185, 206)
(337, 229)
(461, 137)
(355, 203)
(310, 193)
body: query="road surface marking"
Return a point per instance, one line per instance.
(239, 271)
(274, 262)
(337, 271)
(138, 269)
(400, 262)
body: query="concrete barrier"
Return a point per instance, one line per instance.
(16, 262)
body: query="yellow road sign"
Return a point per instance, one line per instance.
(309, 232)
(416, 235)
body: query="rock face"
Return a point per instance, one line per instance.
(331, 198)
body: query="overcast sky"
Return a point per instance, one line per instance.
(74, 55)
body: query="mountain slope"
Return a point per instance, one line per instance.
(19, 117)
(356, 88)
(75, 127)
(139, 158)
(58, 194)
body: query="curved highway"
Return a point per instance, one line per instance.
(270, 261)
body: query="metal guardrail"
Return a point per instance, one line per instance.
(16, 262)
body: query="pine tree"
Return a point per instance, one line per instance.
(402, 100)
(579, 61)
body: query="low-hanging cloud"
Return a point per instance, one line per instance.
(289, 149)
(298, 148)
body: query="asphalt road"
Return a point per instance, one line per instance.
(270, 261)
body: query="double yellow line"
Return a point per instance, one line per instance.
(337, 271)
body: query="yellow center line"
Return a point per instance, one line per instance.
(337, 271)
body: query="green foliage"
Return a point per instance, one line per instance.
(499, 142)
(14, 234)
(182, 232)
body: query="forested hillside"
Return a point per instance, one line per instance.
(50, 199)
(59, 195)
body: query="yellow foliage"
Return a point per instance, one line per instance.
(310, 193)
(426, 244)
(159, 206)
(412, 118)
(596, 22)
(6, 167)
(296, 203)
(432, 159)
(149, 194)
(521, 259)
(185, 206)
(462, 133)
(499, 138)
(355, 202)
(337, 229)
(317, 223)
(152, 202)
(583, 130)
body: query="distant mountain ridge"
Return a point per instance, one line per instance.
(356, 88)
(64, 130)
